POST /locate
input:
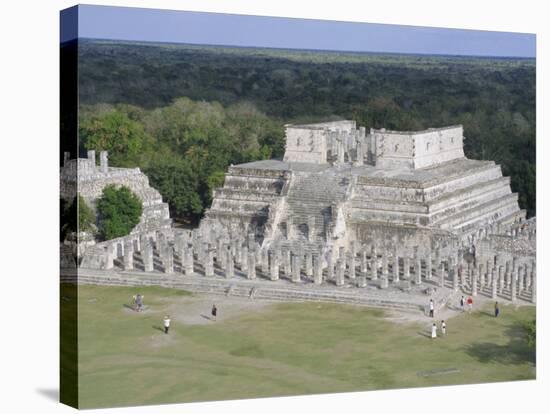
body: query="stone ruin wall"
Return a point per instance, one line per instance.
(398, 149)
(84, 177)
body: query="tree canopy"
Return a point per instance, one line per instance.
(119, 211)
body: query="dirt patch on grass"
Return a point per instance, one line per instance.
(196, 310)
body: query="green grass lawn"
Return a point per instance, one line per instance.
(286, 349)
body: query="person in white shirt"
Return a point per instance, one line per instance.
(443, 328)
(431, 308)
(434, 331)
(166, 324)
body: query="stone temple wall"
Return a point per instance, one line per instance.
(92, 179)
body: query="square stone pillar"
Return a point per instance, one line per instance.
(406, 268)
(287, 264)
(442, 274)
(128, 255)
(418, 270)
(395, 268)
(229, 264)
(361, 281)
(494, 283)
(104, 162)
(481, 273)
(500, 279)
(317, 269)
(513, 288)
(521, 279)
(189, 261)
(330, 266)
(264, 262)
(209, 262)
(474, 281)
(168, 260)
(340, 269)
(251, 274)
(273, 265)
(238, 254)
(374, 264)
(309, 264)
(147, 256)
(244, 258)
(533, 289)
(296, 268)
(109, 257)
(429, 267)
(351, 273)
(364, 261)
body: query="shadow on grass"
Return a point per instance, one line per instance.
(206, 316)
(128, 306)
(425, 334)
(158, 328)
(516, 351)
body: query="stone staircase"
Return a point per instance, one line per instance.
(311, 195)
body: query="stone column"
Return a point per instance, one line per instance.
(361, 281)
(481, 271)
(385, 272)
(442, 274)
(521, 279)
(265, 262)
(208, 261)
(147, 256)
(508, 274)
(513, 289)
(351, 259)
(251, 274)
(229, 264)
(189, 259)
(340, 269)
(274, 265)
(500, 279)
(474, 281)
(374, 264)
(244, 258)
(395, 268)
(109, 257)
(168, 260)
(406, 267)
(418, 270)
(104, 162)
(364, 261)
(128, 255)
(238, 254)
(287, 264)
(330, 266)
(309, 264)
(533, 289)
(317, 270)
(429, 266)
(454, 272)
(494, 283)
(295, 268)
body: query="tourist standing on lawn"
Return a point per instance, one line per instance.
(462, 302)
(431, 308)
(139, 302)
(434, 331)
(443, 328)
(166, 323)
(497, 310)
(214, 311)
(470, 303)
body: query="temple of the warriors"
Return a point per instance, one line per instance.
(382, 218)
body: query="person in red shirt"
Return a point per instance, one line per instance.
(470, 303)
